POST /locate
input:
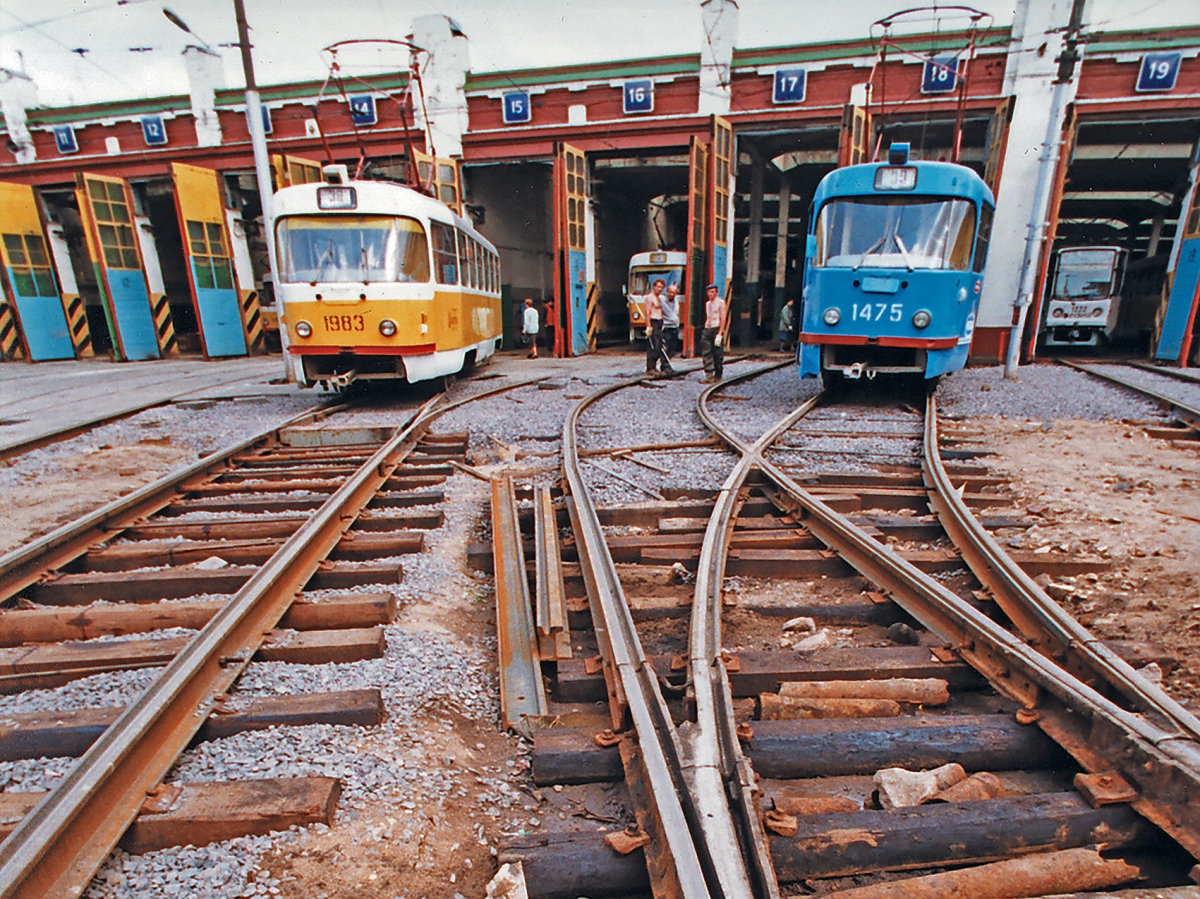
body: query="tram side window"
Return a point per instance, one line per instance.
(984, 238)
(445, 254)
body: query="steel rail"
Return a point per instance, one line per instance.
(632, 679)
(1190, 415)
(1177, 374)
(21, 567)
(1101, 735)
(1035, 614)
(57, 847)
(723, 780)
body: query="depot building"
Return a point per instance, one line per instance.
(135, 228)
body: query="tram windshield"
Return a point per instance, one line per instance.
(896, 232)
(1086, 273)
(355, 248)
(641, 280)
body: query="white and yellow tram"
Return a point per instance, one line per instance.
(378, 281)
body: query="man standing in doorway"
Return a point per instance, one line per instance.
(670, 308)
(530, 325)
(712, 338)
(652, 307)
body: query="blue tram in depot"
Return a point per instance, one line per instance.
(893, 269)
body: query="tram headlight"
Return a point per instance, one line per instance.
(387, 328)
(303, 329)
(921, 319)
(1058, 312)
(832, 316)
(1097, 311)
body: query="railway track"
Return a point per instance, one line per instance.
(1175, 390)
(852, 628)
(194, 578)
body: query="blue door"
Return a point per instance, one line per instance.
(105, 206)
(210, 270)
(1181, 302)
(36, 298)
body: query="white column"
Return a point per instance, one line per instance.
(206, 75)
(17, 94)
(444, 66)
(1029, 75)
(720, 19)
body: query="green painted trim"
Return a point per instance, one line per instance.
(1142, 41)
(68, 115)
(993, 39)
(309, 89)
(626, 68)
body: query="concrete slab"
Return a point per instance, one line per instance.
(42, 399)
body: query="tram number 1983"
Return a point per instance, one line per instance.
(877, 312)
(345, 323)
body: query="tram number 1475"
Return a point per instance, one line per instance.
(345, 323)
(877, 312)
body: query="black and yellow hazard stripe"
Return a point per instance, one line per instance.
(10, 336)
(593, 316)
(77, 323)
(252, 322)
(164, 326)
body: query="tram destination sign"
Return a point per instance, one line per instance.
(639, 95)
(789, 86)
(940, 75)
(1159, 72)
(516, 108)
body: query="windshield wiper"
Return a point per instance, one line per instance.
(871, 249)
(903, 251)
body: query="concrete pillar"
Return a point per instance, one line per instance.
(17, 94)
(444, 65)
(781, 245)
(205, 75)
(750, 316)
(1155, 235)
(720, 18)
(1030, 70)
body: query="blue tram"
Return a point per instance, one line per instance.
(894, 268)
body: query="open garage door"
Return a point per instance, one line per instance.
(997, 140)
(721, 149)
(1179, 316)
(697, 254)
(570, 251)
(855, 143)
(106, 208)
(31, 284)
(210, 271)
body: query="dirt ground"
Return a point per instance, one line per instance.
(1103, 487)
(1109, 489)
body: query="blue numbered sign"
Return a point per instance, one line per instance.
(1158, 71)
(362, 109)
(516, 108)
(639, 95)
(154, 133)
(940, 76)
(789, 86)
(64, 139)
(266, 117)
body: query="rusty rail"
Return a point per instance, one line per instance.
(1103, 737)
(22, 566)
(677, 857)
(1189, 415)
(722, 777)
(57, 847)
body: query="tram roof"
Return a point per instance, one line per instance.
(946, 179)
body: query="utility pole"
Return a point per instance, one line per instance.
(1036, 233)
